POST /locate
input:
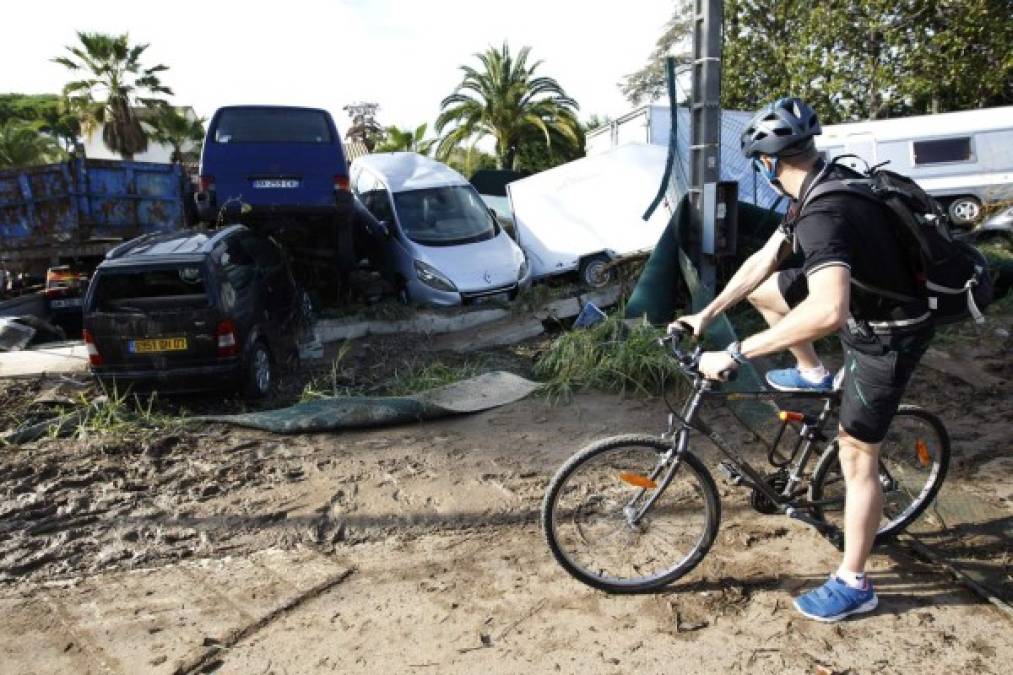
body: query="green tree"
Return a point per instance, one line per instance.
(466, 161)
(650, 83)
(113, 83)
(506, 101)
(869, 59)
(172, 127)
(49, 110)
(364, 127)
(23, 144)
(406, 140)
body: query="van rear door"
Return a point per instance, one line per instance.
(274, 157)
(153, 317)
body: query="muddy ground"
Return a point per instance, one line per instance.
(417, 549)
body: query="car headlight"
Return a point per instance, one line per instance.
(432, 277)
(523, 271)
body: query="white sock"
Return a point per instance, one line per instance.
(854, 579)
(816, 374)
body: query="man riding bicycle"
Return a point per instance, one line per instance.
(853, 261)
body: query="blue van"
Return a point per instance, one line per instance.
(278, 160)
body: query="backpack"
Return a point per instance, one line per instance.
(953, 275)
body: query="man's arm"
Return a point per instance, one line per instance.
(823, 312)
(751, 274)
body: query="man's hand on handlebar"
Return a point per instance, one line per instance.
(717, 365)
(694, 321)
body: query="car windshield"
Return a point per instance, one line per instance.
(265, 125)
(444, 216)
(122, 290)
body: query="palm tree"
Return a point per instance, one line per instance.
(171, 127)
(23, 144)
(113, 83)
(507, 101)
(406, 140)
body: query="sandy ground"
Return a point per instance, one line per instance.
(417, 549)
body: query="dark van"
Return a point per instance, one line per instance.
(277, 160)
(189, 311)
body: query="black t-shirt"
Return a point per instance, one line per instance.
(857, 233)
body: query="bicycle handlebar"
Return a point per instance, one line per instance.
(688, 361)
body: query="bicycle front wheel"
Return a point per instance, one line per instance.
(603, 528)
(913, 460)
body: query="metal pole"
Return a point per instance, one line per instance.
(705, 144)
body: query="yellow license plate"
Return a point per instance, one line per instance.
(175, 344)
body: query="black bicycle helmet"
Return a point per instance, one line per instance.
(781, 129)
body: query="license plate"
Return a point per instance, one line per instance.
(62, 304)
(275, 183)
(156, 345)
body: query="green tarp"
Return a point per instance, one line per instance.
(348, 412)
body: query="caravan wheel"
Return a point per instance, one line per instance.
(965, 211)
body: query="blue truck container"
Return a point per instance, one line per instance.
(81, 208)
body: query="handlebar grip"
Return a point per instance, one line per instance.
(730, 375)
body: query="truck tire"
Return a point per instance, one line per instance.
(594, 271)
(964, 211)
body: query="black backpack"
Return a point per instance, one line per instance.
(953, 275)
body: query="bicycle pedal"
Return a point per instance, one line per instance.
(730, 472)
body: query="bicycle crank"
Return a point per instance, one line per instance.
(760, 502)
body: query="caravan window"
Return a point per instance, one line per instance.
(942, 150)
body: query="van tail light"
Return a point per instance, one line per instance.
(226, 335)
(94, 358)
(206, 183)
(341, 183)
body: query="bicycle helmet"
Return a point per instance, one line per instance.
(781, 129)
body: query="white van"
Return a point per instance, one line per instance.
(964, 159)
(427, 231)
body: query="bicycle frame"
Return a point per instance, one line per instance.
(788, 500)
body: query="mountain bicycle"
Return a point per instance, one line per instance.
(636, 512)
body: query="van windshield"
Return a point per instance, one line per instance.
(444, 216)
(264, 125)
(139, 288)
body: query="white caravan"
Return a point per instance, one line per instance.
(580, 215)
(964, 159)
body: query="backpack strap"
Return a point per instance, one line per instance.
(862, 187)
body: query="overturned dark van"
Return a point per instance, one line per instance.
(191, 311)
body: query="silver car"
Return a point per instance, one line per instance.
(430, 234)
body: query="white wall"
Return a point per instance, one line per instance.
(156, 152)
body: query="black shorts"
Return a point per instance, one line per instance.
(877, 368)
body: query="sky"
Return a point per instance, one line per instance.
(403, 54)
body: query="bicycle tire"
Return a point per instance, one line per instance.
(690, 466)
(828, 464)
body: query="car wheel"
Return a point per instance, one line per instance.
(259, 372)
(403, 296)
(965, 211)
(594, 271)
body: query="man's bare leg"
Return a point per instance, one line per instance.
(863, 506)
(766, 298)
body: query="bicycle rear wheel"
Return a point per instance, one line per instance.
(913, 460)
(590, 514)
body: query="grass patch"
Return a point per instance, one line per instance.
(418, 377)
(118, 413)
(612, 356)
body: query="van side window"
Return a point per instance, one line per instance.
(942, 150)
(374, 197)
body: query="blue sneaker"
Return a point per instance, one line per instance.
(789, 379)
(835, 600)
